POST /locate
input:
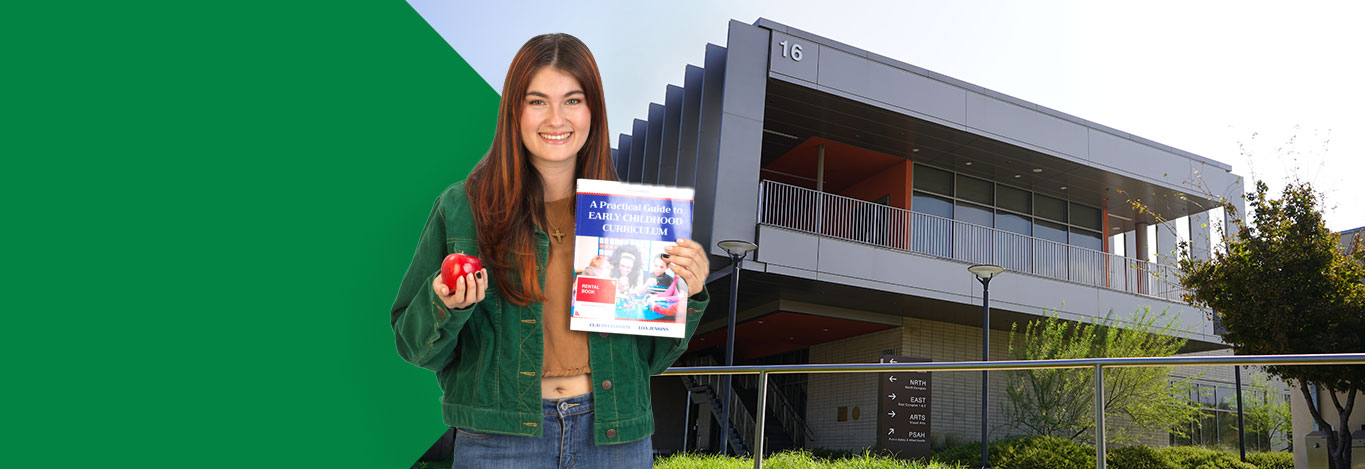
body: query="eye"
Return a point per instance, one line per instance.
(536, 102)
(574, 101)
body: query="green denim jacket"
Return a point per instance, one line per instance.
(488, 357)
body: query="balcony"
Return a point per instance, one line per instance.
(805, 210)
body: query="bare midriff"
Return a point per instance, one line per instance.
(557, 387)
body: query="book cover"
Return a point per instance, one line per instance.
(621, 282)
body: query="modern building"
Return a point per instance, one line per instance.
(870, 185)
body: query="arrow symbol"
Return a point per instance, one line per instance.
(892, 431)
(891, 378)
(892, 396)
(891, 414)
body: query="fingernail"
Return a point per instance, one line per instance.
(478, 274)
(666, 256)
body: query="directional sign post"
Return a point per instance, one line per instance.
(903, 411)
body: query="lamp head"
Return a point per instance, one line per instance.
(985, 271)
(737, 248)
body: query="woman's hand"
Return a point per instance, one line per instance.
(688, 261)
(468, 290)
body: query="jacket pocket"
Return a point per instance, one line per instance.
(462, 434)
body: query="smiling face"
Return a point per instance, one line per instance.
(657, 267)
(626, 264)
(555, 120)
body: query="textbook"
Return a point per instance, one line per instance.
(621, 282)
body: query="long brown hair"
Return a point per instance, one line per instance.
(505, 192)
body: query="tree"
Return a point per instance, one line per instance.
(1266, 412)
(1060, 402)
(1282, 285)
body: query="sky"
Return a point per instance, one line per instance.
(1273, 89)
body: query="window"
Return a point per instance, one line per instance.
(1049, 208)
(1086, 217)
(975, 190)
(933, 180)
(1014, 200)
(931, 204)
(974, 214)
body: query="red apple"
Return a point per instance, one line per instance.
(456, 266)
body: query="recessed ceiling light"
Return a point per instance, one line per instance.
(826, 329)
(914, 150)
(1063, 188)
(968, 163)
(1018, 176)
(791, 338)
(760, 322)
(1037, 170)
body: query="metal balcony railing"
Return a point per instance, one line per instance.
(801, 209)
(1098, 364)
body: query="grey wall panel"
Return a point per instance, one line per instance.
(1042, 294)
(844, 71)
(653, 144)
(891, 267)
(746, 70)
(777, 246)
(637, 150)
(804, 69)
(790, 271)
(668, 153)
(708, 143)
(1137, 160)
(741, 144)
(1200, 246)
(1167, 243)
(741, 134)
(622, 156)
(914, 92)
(1025, 125)
(690, 126)
(1192, 320)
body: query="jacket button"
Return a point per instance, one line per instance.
(611, 433)
(606, 384)
(603, 334)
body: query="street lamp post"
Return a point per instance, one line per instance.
(984, 273)
(737, 250)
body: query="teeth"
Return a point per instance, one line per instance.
(557, 137)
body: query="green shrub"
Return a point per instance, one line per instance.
(1272, 460)
(1024, 453)
(1195, 457)
(794, 459)
(1138, 457)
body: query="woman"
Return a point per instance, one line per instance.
(521, 388)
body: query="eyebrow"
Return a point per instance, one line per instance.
(543, 95)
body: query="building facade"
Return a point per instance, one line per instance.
(869, 186)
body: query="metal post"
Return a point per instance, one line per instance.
(687, 414)
(1099, 417)
(820, 190)
(762, 415)
(1241, 419)
(985, 356)
(735, 262)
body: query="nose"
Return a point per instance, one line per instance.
(556, 116)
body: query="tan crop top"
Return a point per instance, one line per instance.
(566, 351)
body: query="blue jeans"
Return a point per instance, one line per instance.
(566, 443)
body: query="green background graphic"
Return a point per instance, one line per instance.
(208, 209)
